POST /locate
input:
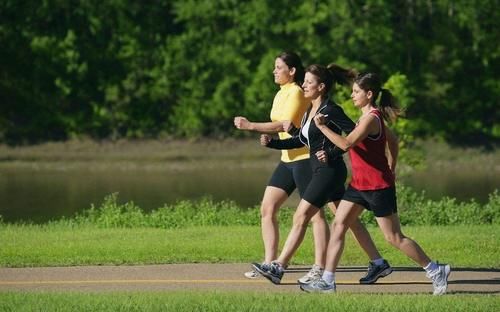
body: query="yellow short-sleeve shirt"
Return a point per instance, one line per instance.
(290, 104)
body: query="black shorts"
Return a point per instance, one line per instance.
(291, 175)
(381, 202)
(327, 184)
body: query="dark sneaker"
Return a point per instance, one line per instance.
(319, 286)
(440, 279)
(274, 272)
(375, 272)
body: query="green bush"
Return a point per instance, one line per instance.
(413, 208)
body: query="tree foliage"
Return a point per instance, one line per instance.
(117, 68)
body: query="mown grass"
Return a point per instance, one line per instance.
(238, 301)
(51, 245)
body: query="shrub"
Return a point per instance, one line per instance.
(413, 208)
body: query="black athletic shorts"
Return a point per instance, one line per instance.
(291, 175)
(327, 183)
(381, 202)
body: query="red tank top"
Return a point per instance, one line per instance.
(370, 168)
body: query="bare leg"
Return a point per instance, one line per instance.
(274, 197)
(347, 213)
(361, 235)
(391, 227)
(321, 234)
(305, 211)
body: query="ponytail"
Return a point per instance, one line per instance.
(387, 104)
(342, 75)
(331, 75)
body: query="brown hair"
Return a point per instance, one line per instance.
(331, 75)
(292, 60)
(387, 104)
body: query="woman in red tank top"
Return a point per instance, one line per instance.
(372, 186)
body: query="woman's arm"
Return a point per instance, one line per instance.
(367, 125)
(393, 149)
(242, 123)
(286, 144)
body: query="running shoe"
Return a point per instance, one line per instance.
(314, 274)
(274, 272)
(440, 279)
(375, 272)
(319, 286)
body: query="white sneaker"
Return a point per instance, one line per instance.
(440, 279)
(319, 286)
(314, 274)
(252, 274)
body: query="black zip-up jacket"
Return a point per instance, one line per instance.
(336, 120)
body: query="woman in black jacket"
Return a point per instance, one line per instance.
(327, 184)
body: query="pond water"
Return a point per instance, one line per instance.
(38, 195)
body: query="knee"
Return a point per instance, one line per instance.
(339, 228)
(300, 220)
(394, 239)
(268, 211)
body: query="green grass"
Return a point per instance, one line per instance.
(232, 301)
(58, 245)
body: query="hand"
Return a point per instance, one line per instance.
(265, 139)
(287, 125)
(320, 120)
(241, 123)
(322, 156)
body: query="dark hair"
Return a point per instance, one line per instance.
(292, 59)
(331, 75)
(387, 104)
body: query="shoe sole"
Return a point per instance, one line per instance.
(273, 279)
(382, 274)
(447, 270)
(330, 291)
(304, 283)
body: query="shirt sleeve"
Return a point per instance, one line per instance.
(296, 107)
(338, 117)
(286, 144)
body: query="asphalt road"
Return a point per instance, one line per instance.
(229, 277)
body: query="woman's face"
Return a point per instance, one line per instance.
(359, 96)
(312, 87)
(282, 73)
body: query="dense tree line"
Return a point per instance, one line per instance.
(118, 68)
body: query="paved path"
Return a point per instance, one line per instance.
(229, 277)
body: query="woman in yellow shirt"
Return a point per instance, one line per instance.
(294, 169)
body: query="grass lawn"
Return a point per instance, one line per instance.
(58, 245)
(239, 301)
